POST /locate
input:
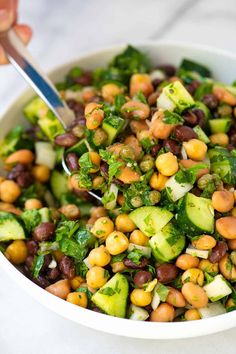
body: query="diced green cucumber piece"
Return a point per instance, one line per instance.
(112, 126)
(195, 215)
(197, 253)
(150, 219)
(137, 313)
(58, 183)
(211, 310)
(175, 97)
(217, 289)
(220, 125)
(146, 251)
(45, 155)
(45, 214)
(10, 228)
(223, 163)
(167, 244)
(176, 190)
(112, 297)
(201, 134)
(37, 112)
(80, 148)
(189, 65)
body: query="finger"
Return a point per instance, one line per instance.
(24, 32)
(3, 57)
(7, 13)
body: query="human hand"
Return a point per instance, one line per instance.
(8, 18)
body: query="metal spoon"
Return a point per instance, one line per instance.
(25, 64)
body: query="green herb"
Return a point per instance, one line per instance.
(118, 258)
(34, 191)
(15, 140)
(135, 256)
(86, 291)
(202, 90)
(107, 291)
(119, 101)
(208, 278)
(81, 269)
(37, 265)
(189, 175)
(139, 96)
(114, 165)
(172, 118)
(31, 219)
(162, 291)
(108, 198)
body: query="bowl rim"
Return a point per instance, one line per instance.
(102, 322)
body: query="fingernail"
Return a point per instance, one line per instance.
(5, 20)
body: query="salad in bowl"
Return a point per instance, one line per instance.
(157, 144)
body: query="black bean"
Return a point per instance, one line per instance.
(44, 231)
(130, 264)
(53, 273)
(166, 272)
(196, 191)
(192, 87)
(32, 247)
(66, 140)
(172, 146)
(76, 106)
(41, 281)
(168, 69)
(72, 161)
(85, 79)
(16, 171)
(190, 118)
(200, 115)
(67, 267)
(46, 261)
(142, 277)
(156, 82)
(184, 133)
(210, 101)
(25, 179)
(218, 252)
(155, 149)
(29, 262)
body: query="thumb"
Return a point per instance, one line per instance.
(6, 19)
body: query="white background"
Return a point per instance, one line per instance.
(62, 31)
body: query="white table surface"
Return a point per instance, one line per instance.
(62, 31)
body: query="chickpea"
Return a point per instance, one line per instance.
(70, 211)
(205, 242)
(227, 268)
(141, 82)
(167, 164)
(140, 297)
(10, 208)
(17, 252)
(41, 173)
(98, 212)
(158, 181)
(76, 282)
(118, 267)
(221, 139)
(163, 313)
(124, 223)
(138, 238)
(232, 244)
(116, 243)
(98, 181)
(206, 266)
(60, 289)
(109, 91)
(230, 303)
(135, 110)
(96, 277)
(224, 95)
(175, 298)
(127, 152)
(146, 164)
(192, 315)
(158, 128)
(226, 227)
(102, 227)
(128, 176)
(90, 107)
(120, 199)
(136, 201)
(23, 156)
(96, 160)
(9, 191)
(78, 298)
(99, 256)
(99, 137)
(186, 261)
(233, 212)
(193, 275)
(223, 201)
(195, 149)
(195, 295)
(94, 119)
(33, 204)
(138, 126)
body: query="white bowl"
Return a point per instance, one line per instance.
(223, 66)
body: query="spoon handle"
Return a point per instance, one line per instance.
(22, 60)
